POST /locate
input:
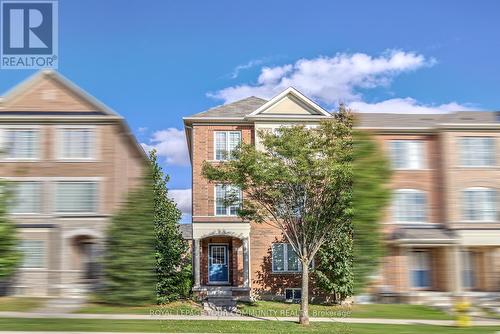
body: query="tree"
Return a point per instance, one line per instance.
(129, 260)
(173, 263)
(343, 265)
(10, 257)
(300, 183)
(371, 173)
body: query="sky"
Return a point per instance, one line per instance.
(157, 61)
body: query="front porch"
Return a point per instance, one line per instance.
(221, 261)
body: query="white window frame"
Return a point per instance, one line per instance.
(472, 156)
(60, 143)
(427, 266)
(229, 152)
(40, 194)
(476, 204)
(42, 254)
(228, 208)
(285, 259)
(3, 142)
(397, 220)
(419, 146)
(97, 199)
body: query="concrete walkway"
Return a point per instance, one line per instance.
(229, 317)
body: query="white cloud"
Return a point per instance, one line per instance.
(330, 79)
(250, 64)
(183, 199)
(407, 105)
(171, 145)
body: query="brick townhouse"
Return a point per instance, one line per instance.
(71, 160)
(442, 230)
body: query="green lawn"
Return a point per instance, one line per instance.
(180, 307)
(388, 311)
(20, 304)
(223, 326)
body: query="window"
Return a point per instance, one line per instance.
(477, 151)
(285, 259)
(33, 253)
(420, 269)
(479, 204)
(21, 144)
(227, 200)
(468, 276)
(76, 197)
(410, 206)
(26, 197)
(77, 143)
(293, 295)
(225, 144)
(407, 154)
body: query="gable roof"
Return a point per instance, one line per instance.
(7, 102)
(291, 91)
(235, 109)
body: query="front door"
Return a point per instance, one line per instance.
(218, 264)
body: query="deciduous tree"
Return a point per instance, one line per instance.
(301, 183)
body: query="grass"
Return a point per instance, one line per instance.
(388, 311)
(223, 326)
(180, 307)
(20, 304)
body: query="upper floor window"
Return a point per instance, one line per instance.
(477, 151)
(479, 204)
(33, 253)
(285, 259)
(21, 144)
(407, 154)
(76, 196)
(225, 144)
(26, 197)
(227, 200)
(77, 143)
(410, 206)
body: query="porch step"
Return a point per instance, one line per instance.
(225, 304)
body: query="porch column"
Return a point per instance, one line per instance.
(456, 269)
(246, 263)
(196, 258)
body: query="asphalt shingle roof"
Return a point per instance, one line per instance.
(239, 108)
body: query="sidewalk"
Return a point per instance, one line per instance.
(481, 322)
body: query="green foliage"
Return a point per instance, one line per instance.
(301, 183)
(10, 257)
(129, 260)
(334, 264)
(343, 268)
(173, 263)
(371, 173)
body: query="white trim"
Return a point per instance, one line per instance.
(39, 149)
(298, 95)
(58, 147)
(426, 208)
(98, 194)
(285, 260)
(227, 209)
(208, 263)
(227, 142)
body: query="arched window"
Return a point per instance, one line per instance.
(410, 206)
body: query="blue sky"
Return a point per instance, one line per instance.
(157, 61)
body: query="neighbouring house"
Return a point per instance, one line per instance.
(71, 161)
(442, 230)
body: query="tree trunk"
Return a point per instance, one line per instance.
(304, 302)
